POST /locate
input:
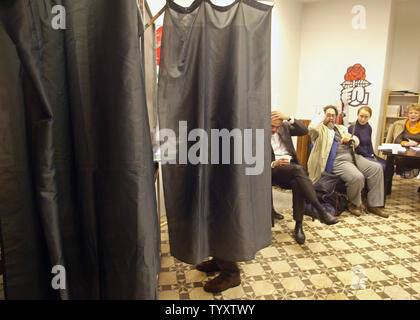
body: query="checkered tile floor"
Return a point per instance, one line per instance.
(359, 258)
(365, 257)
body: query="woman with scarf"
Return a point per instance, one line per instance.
(407, 133)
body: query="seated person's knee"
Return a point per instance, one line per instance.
(357, 178)
(297, 168)
(378, 167)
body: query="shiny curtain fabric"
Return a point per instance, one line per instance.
(215, 74)
(76, 165)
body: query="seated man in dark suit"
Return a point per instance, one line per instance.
(288, 173)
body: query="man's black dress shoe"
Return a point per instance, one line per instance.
(299, 234)
(326, 218)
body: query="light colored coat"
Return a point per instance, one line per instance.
(322, 139)
(395, 130)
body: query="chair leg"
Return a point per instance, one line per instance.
(272, 218)
(272, 208)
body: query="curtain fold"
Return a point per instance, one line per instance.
(76, 157)
(215, 74)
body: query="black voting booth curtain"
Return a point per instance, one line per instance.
(215, 74)
(76, 167)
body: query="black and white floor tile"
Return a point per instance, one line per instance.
(366, 257)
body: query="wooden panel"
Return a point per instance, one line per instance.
(303, 147)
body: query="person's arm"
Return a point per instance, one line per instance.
(315, 126)
(410, 131)
(399, 139)
(347, 136)
(297, 128)
(409, 143)
(365, 152)
(356, 141)
(277, 163)
(359, 149)
(371, 151)
(280, 163)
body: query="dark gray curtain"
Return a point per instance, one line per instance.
(76, 167)
(215, 74)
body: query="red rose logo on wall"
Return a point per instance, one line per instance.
(354, 88)
(357, 72)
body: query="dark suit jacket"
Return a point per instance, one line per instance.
(286, 131)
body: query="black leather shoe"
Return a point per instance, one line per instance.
(326, 218)
(277, 215)
(223, 281)
(208, 266)
(299, 234)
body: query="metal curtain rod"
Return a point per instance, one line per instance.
(155, 17)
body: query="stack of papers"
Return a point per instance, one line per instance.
(386, 146)
(395, 148)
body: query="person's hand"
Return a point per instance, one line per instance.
(277, 118)
(277, 115)
(411, 143)
(281, 163)
(345, 140)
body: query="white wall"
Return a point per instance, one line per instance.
(155, 6)
(285, 54)
(405, 65)
(329, 45)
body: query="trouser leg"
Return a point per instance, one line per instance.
(305, 185)
(281, 176)
(382, 162)
(295, 176)
(352, 177)
(298, 201)
(373, 172)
